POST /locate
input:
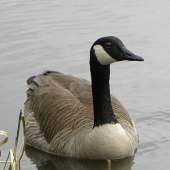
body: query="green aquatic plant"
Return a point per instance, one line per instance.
(13, 159)
(4, 136)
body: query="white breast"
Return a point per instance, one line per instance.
(109, 141)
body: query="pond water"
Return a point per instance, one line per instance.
(56, 35)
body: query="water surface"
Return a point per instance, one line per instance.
(56, 35)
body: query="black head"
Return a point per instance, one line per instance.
(111, 49)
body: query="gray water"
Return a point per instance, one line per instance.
(38, 35)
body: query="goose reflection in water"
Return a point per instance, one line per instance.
(44, 161)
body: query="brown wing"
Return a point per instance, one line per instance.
(54, 106)
(61, 102)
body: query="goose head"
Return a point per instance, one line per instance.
(111, 49)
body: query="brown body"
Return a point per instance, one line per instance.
(58, 106)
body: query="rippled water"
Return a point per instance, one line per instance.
(39, 35)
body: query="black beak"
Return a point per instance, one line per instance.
(128, 55)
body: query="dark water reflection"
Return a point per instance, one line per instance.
(44, 161)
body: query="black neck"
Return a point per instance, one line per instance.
(100, 75)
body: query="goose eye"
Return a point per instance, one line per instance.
(108, 44)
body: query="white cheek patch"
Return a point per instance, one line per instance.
(102, 56)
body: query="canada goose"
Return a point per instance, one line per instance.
(67, 116)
